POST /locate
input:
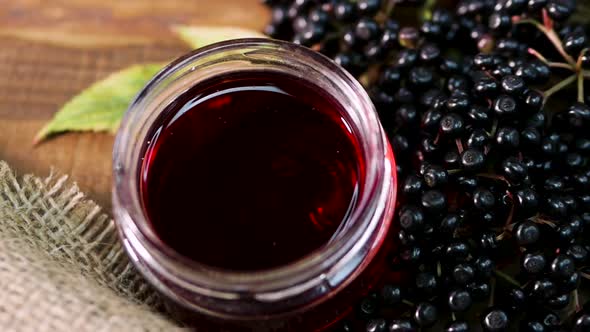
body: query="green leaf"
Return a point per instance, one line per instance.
(199, 36)
(101, 106)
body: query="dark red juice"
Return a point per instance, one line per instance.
(250, 171)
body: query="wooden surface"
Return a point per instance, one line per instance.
(51, 50)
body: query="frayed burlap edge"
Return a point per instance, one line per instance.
(62, 266)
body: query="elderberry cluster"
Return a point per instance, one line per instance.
(484, 105)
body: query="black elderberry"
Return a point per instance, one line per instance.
(458, 83)
(472, 159)
(543, 289)
(429, 53)
(406, 58)
(413, 185)
(507, 138)
(457, 326)
(500, 22)
(550, 320)
(428, 146)
(457, 251)
(479, 115)
(530, 137)
(426, 314)
(400, 144)
(402, 325)
(411, 218)
(421, 77)
(582, 323)
(484, 267)
(570, 283)
(578, 253)
(368, 307)
(368, 7)
(505, 106)
(507, 46)
(452, 124)
(459, 300)
(366, 29)
(578, 115)
(391, 295)
(452, 159)
(458, 101)
(514, 86)
(426, 283)
(531, 325)
(528, 72)
(483, 199)
(527, 233)
(404, 96)
(376, 325)
(449, 224)
(501, 71)
(574, 42)
(478, 138)
(390, 78)
(406, 238)
(495, 320)
(389, 38)
(449, 66)
(533, 263)
(559, 302)
(514, 169)
(488, 241)
(479, 290)
(554, 184)
(483, 61)
(562, 266)
(467, 183)
(486, 87)
(434, 201)
(463, 273)
(351, 61)
(537, 120)
(515, 299)
(435, 176)
(431, 30)
(560, 10)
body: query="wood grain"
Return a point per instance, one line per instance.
(37, 77)
(94, 23)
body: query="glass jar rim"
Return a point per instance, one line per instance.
(126, 194)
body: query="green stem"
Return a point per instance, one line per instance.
(507, 278)
(553, 38)
(406, 302)
(559, 86)
(492, 292)
(584, 275)
(540, 56)
(426, 12)
(580, 88)
(494, 127)
(580, 58)
(389, 8)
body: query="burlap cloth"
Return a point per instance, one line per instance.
(62, 267)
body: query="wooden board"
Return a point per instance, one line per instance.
(51, 50)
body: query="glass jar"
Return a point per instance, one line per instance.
(309, 294)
